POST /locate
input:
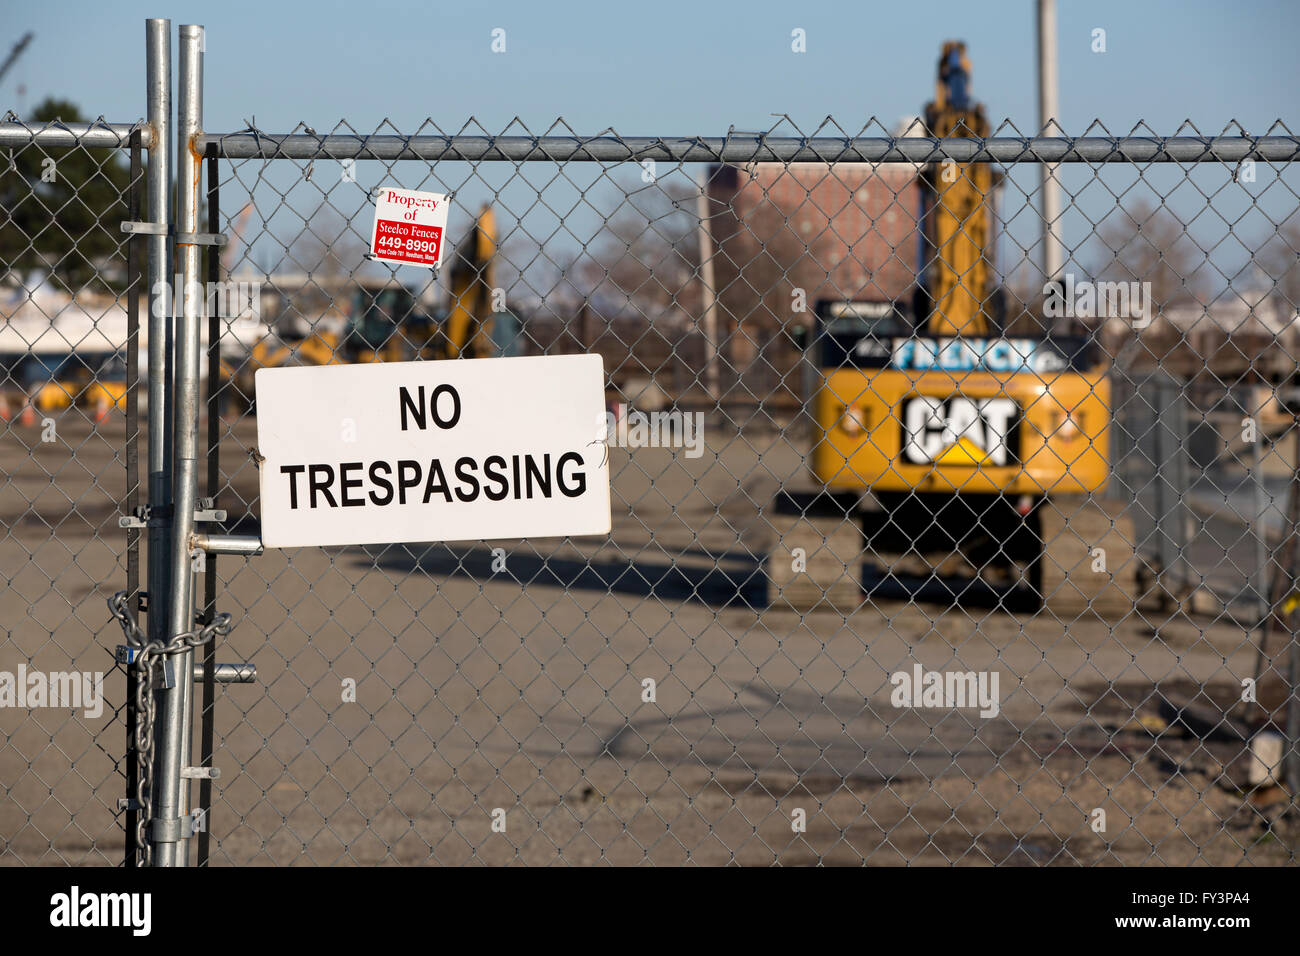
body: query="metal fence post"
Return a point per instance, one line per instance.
(158, 81)
(207, 716)
(158, 73)
(171, 803)
(708, 294)
(130, 849)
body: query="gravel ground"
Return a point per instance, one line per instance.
(523, 690)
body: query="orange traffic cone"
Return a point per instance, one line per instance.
(28, 416)
(6, 413)
(102, 407)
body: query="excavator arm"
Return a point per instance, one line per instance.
(469, 322)
(959, 215)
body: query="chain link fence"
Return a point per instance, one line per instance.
(1017, 588)
(69, 346)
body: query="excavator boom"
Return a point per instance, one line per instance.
(958, 218)
(469, 322)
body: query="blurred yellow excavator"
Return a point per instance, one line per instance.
(381, 320)
(953, 434)
(957, 211)
(470, 285)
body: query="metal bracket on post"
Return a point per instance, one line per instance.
(147, 516)
(141, 518)
(146, 228)
(183, 238)
(179, 829)
(195, 823)
(200, 239)
(167, 831)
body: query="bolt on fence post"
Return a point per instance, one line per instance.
(171, 802)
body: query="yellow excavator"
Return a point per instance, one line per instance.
(470, 285)
(951, 433)
(380, 320)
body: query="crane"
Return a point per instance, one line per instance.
(15, 53)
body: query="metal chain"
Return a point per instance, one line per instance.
(145, 655)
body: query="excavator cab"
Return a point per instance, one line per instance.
(953, 433)
(386, 323)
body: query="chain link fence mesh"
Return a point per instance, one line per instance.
(69, 426)
(1080, 522)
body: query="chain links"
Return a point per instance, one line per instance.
(146, 654)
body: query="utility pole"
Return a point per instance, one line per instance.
(708, 292)
(1048, 113)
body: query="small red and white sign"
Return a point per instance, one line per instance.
(409, 227)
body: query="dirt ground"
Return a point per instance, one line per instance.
(522, 689)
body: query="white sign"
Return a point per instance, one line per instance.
(410, 227)
(460, 450)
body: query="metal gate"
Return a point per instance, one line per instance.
(764, 661)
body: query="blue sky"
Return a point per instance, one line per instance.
(669, 67)
(683, 68)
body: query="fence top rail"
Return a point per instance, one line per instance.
(91, 135)
(750, 148)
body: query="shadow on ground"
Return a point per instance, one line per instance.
(744, 584)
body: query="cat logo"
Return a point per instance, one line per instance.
(960, 431)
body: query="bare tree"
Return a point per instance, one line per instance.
(327, 246)
(1280, 260)
(536, 277)
(761, 260)
(1145, 244)
(648, 252)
